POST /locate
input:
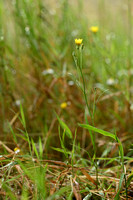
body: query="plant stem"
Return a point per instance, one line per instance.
(86, 101)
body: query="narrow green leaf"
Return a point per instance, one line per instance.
(9, 192)
(91, 134)
(62, 142)
(73, 148)
(14, 136)
(40, 147)
(34, 148)
(61, 150)
(59, 192)
(111, 160)
(64, 127)
(121, 151)
(117, 197)
(121, 180)
(92, 128)
(129, 179)
(22, 116)
(24, 138)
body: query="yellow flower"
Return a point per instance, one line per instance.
(63, 105)
(16, 150)
(94, 29)
(78, 41)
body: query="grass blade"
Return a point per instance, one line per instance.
(92, 128)
(64, 127)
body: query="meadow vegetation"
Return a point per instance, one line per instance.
(66, 100)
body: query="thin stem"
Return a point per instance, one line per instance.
(84, 87)
(86, 101)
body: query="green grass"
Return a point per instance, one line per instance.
(84, 150)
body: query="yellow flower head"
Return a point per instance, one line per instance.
(94, 29)
(16, 150)
(78, 41)
(63, 105)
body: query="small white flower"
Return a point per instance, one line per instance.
(18, 102)
(27, 30)
(16, 150)
(70, 83)
(110, 81)
(47, 71)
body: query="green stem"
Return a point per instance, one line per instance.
(82, 76)
(122, 162)
(86, 101)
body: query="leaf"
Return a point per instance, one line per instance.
(91, 135)
(9, 192)
(22, 116)
(129, 179)
(34, 148)
(40, 148)
(14, 136)
(92, 128)
(64, 127)
(117, 197)
(121, 151)
(121, 180)
(111, 160)
(61, 150)
(88, 176)
(87, 197)
(62, 143)
(22, 137)
(58, 193)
